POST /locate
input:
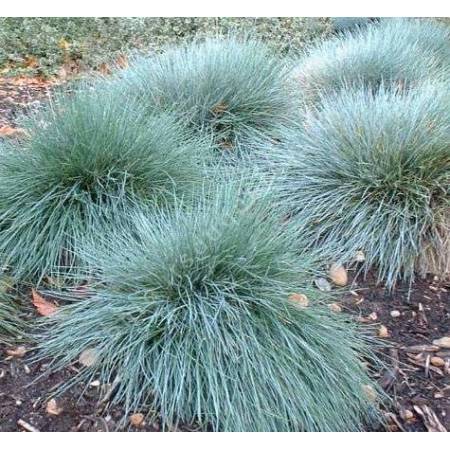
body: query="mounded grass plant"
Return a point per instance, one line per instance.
(371, 173)
(341, 24)
(189, 317)
(88, 155)
(229, 88)
(395, 52)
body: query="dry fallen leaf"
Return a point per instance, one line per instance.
(52, 408)
(104, 69)
(338, 274)
(7, 131)
(383, 332)
(63, 44)
(88, 357)
(299, 300)
(373, 316)
(137, 419)
(122, 61)
(31, 62)
(44, 307)
(18, 352)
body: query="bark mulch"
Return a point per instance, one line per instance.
(418, 372)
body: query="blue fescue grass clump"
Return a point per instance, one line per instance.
(189, 318)
(397, 52)
(348, 23)
(87, 154)
(371, 173)
(229, 88)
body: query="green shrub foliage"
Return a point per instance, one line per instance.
(87, 154)
(370, 173)
(189, 317)
(395, 52)
(230, 88)
(89, 42)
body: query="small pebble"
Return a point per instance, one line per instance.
(359, 256)
(299, 300)
(437, 361)
(406, 414)
(137, 419)
(338, 274)
(395, 313)
(383, 332)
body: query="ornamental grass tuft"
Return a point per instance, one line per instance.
(371, 173)
(395, 52)
(192, 317)
(229, 88)
(87, 154)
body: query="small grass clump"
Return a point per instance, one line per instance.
(190, 318)
(371, 173)
(395, 52)
(229, 88)
(86, 155)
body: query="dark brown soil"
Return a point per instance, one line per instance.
(417, 316)
(22, 401)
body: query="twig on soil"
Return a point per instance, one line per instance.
(26, 426)
(430, 419)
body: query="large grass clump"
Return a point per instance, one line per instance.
(371, 173)
(395, 52)
(232, 89)
(87, 155)
(189, 318)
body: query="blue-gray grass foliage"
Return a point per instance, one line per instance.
(371, 173)
(395, 52)
(189, 316)
(87, 154)
(229, 88)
